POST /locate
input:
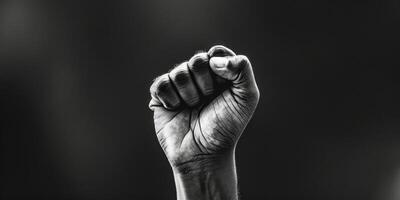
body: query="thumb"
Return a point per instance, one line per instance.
(237, 69)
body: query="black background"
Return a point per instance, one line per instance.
(74, 81)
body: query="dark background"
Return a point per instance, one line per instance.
(74, 81)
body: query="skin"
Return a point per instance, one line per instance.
(201, 108)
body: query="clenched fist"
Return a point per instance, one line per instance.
(202, 106)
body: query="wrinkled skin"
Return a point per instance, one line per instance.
(202, 106)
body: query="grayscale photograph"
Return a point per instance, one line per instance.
(199, 100)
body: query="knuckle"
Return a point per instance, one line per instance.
(198, 60)
(180, 76)
(216, 51)
(163, 86)
(154, 86)
(160, 84)
(152, 89)
(220, 50)
(218, 47)
(199, 65)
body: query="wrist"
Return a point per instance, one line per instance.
(211, 178)
(204, 163)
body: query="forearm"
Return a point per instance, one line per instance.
(201, 108)
(215, 182)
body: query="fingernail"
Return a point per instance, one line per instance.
(219, 62)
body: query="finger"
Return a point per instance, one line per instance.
(237, 69)
(220, 51)
(184, 84)
(200, 69)
(164, 94)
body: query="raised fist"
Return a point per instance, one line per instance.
(202, 106)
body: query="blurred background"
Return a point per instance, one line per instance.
(74, 79)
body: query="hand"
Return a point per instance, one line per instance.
(200, 110)
(202, 106)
